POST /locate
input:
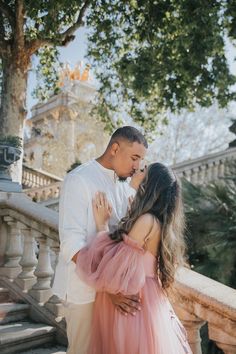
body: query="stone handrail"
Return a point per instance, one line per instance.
(33, 178)
(30, 270)
(199, 300)
(206, 168)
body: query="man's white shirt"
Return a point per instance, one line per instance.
(77, 226)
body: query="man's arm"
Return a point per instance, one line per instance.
(73, 216)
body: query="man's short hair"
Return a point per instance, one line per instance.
(130, 134)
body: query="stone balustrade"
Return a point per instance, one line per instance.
(28, 253)
(33, 178)
(198, 300)
(43, 186)
(207, 168)
(41, 194)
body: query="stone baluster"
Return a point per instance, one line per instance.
(26, 279)
(195, 175)
(52, 193)
(202, 174)
(46, 194)
(187, 175)
(30, 180)
(227, 168)
(41, 290)
(223, 340)
(54, 304)
(57, 192)
(221, 167)
(215, 171)
(3, 242)
(192, 324)
(209, 172)
(14, 249)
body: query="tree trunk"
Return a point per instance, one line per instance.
(13, 99)
(13, 103)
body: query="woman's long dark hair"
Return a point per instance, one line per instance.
(160, 195)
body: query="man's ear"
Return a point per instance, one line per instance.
(114, 148)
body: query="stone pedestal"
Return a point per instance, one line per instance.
(9, 186)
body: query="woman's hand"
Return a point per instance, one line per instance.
(101, 210)
(138, 177)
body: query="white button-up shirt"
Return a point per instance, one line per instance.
(77, 226)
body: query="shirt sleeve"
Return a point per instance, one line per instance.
(73, 215)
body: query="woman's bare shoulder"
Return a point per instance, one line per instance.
(143, 226)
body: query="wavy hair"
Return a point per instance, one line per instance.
(160, 195)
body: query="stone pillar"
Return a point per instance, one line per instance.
(223, 340)
(192, 324)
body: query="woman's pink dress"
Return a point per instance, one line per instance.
(127, 268)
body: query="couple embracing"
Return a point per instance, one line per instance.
(120, 245)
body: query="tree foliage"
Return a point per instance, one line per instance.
(211, 220)
(192, 134)
(151, 56)
(47, 73)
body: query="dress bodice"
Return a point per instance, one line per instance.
(149, 264)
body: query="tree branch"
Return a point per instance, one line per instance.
(19, 32)
(7, 11)
(34, 45)
(61, 39)
(67, 36)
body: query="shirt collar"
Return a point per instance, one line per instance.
(110, 173)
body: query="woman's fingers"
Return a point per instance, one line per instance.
(101, 200)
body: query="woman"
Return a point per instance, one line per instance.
(141, 256)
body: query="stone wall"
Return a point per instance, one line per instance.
(62, 131)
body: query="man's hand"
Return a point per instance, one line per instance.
(126, 304)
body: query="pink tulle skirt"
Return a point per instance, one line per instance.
(153, 330)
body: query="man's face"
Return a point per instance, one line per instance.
(127, 157)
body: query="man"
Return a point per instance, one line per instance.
(108, 173)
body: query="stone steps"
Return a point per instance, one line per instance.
(57, 349)
(22, 336)
(12, 312)
(19, 334)
(4, 294)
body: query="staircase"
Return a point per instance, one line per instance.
(19, 333)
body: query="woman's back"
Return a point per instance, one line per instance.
(147, 232)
